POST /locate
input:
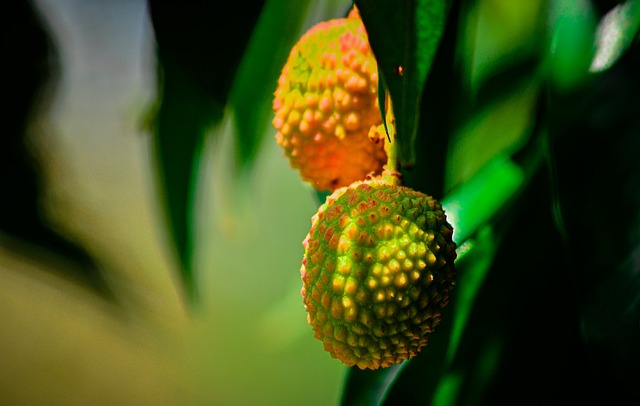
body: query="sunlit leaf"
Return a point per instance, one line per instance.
(615, 33)
(404, 37)
(479, 199)
(495, 129)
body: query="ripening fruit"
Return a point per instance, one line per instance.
(377, 269)
(325, 103)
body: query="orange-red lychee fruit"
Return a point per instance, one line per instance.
(325, 103)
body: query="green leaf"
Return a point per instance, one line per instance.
(198, 61)
(184, 116)
(476, 201)
(475, 257)
(440, 112)
(276, 32)
(404, 36)
(320, 196)
(571, 48)
(368, 387)
(191, 37)
(512, 326)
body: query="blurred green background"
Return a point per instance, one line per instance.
(65, 344)
(151, 229)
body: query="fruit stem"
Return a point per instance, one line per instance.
(390, 173)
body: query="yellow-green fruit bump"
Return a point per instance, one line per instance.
(325, 103)
(377, 270)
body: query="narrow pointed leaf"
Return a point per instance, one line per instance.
(183, 118)
(571, 47)
(404, 36)
(276, 32)
(368, 387)
(198, 60)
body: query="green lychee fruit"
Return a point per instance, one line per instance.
(377, 269)
(325, 103)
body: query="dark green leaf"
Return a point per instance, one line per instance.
(184, 116)
(512, 324)
(404, 36)
(503, 81)
(492, 329)
(320, 196)
(595, 135)
(484, 199)
(444, 98)
(276, 32)
(571, 46)
(192, 36)
(199, 58)
(368, 387)
(475, 257)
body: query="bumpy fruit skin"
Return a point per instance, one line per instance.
(325, 103)
(377, 270)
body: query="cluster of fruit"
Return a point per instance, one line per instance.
(379, 258)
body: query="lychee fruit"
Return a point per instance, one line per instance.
(377, 270)
(325, 102)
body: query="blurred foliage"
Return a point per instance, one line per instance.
(195, 79)
(521, 117)
(29, 73)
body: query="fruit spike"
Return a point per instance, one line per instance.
(325, 103)
(377, 269)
